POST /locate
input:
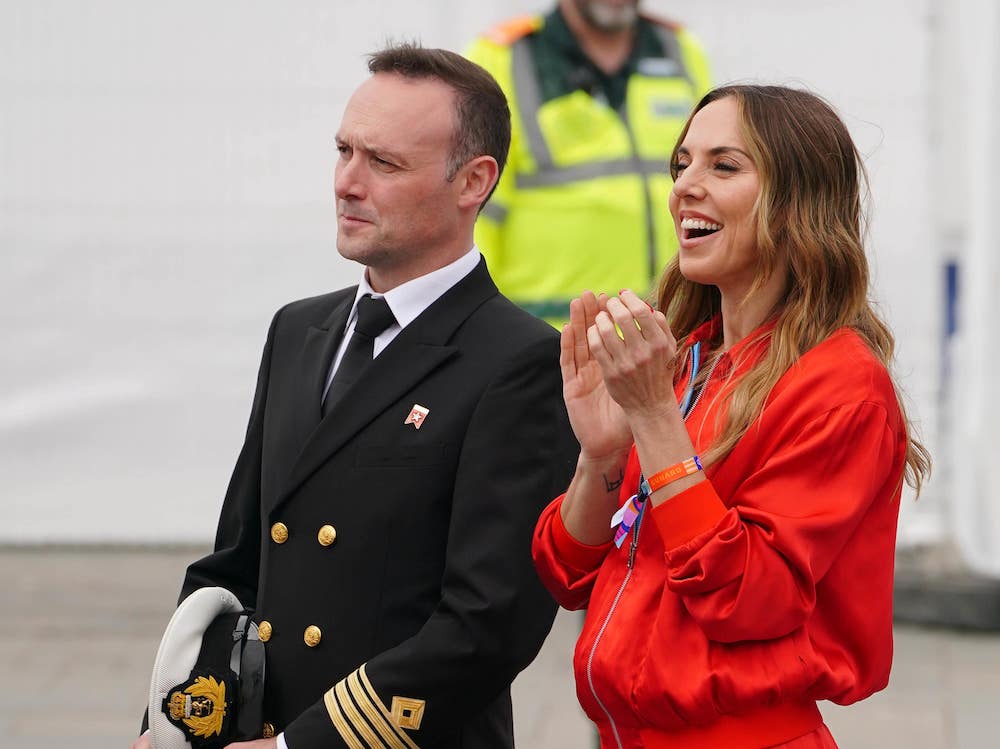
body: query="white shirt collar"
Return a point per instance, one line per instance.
(406, 301)
(409, 299)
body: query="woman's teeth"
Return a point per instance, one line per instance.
(697, 223)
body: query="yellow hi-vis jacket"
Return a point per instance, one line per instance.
(582, 203)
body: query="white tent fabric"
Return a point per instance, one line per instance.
(975, 355)
(165, 185)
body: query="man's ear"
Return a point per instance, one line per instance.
(476, 179)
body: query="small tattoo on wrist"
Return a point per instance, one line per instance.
(616, 484)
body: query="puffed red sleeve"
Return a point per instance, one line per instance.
(567, 567)
(750, 571)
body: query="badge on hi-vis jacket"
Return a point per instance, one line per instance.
(417, 415)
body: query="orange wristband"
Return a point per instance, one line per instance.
(674, 472)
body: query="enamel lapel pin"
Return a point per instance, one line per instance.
(417, 415)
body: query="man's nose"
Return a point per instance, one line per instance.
(347, 180)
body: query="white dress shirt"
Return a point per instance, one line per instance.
(406, 301)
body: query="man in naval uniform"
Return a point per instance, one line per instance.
(380, 514)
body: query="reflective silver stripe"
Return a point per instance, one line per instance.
(591, 170)
(529, 100)
(650, 224)
(495, 212)
(672, 49)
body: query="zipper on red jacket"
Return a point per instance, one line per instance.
(593, 650)
(604, 625)
(635, 535)
(633, 547)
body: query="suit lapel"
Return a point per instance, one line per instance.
(417, 351)
(320, 345)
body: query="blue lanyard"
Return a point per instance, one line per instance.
(629, 516)
(695, 366)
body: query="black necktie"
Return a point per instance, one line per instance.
(374, 316)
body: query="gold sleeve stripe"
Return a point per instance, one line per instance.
(374, 699)
(340, 723)
(354, 717)
(384, 728)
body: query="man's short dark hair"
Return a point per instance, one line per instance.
(482, 117)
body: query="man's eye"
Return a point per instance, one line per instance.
(383, 165)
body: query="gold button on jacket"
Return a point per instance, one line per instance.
(327, 535)
(268, 731)
(279, 533)
(264, 631)
(312, 635)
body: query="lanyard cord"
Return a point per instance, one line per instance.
(629, 516)
(704, 385)
(687, 406)
(695, 364)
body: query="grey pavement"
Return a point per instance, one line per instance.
(79, 629)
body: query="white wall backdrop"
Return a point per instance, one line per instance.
(970, 199)
(166, 184)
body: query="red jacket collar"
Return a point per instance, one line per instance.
(746, 351)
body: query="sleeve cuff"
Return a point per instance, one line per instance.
(573, 553)
(281, 741)
(362, 719)
(689, 514)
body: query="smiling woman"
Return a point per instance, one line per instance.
(715, 187)
(766, 503)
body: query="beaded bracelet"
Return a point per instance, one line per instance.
(674, 472)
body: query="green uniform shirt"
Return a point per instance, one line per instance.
(562, 66)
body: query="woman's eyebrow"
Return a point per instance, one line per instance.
(717, 151)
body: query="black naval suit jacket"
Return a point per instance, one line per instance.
(426, 603)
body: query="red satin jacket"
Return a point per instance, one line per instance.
(759, 591)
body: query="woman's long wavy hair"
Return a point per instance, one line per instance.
(808, 215)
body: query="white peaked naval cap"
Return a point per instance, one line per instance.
(177, 655)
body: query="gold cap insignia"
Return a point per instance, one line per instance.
(200, 705)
